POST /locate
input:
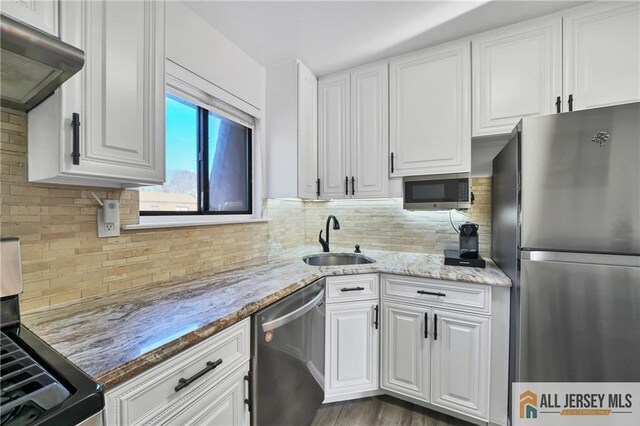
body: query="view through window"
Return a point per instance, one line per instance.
(208, 164)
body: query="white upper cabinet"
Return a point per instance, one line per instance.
(516, 73)
(333, 135)
(118, 99)
(602, 54)
(430, 120)
(307, 133)
(291, 131)
(353, 133)
(40, 14)
(370, 131)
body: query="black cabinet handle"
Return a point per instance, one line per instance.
(183, 383)
(570, 102)
(249, 399)
(352, 289)
(426, 325)
(346, 185)
(353, 185)
(432, 293)
(435, 327)
(375, 321)
(558, 104)
(392, 162)
(318, 187)
(75, 123)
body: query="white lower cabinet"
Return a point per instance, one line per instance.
(406, 349)
(352, 346)
(460, 362)
(222, 404)
(433, 355)
(215, 397)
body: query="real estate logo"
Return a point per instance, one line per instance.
(576, 404)
(528, 405)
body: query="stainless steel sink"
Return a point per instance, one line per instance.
(335, 259)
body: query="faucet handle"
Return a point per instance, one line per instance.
(357, 249)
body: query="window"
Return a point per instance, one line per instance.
(208, 162)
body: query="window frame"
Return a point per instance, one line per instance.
(206, 104)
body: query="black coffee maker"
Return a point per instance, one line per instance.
(468, 254)
(469, 240)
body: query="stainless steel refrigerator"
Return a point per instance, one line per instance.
(566, 229)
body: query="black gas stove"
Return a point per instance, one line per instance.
(38, 386)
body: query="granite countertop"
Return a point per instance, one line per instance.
(116, 336)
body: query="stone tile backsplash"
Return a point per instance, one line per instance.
(380, 224)
(63, 260)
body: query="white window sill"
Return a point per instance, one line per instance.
(153, 222)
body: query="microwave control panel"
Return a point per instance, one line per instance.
(463, 188)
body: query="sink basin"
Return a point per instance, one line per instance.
(335, 259)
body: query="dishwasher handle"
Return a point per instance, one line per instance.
(293, 315)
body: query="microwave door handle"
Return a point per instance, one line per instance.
(293, 315)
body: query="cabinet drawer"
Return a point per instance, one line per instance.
(352, 287)
(145, 396)
(220, 404)
(450, 294)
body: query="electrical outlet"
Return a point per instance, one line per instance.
(109, 219)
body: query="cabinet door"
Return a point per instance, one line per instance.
(221, 405)
(333, 136)
(119, 93)
(406, 348)
(517, 72)
(602, 54)
(430, 120)
(369, 132)
(460, 363)
(352, 345)
(41, 14)
(307, 133)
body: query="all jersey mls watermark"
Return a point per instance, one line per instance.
(579, 404)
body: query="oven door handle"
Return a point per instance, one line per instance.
(293, 315)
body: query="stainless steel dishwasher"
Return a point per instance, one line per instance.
(288, 359)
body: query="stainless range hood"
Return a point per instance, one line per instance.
(33, 64)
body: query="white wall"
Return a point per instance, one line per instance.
(200, 48)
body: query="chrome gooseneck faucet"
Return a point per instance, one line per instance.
(325, 243)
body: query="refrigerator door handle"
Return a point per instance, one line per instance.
(588, 258)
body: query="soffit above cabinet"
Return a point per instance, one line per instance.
(315, 32)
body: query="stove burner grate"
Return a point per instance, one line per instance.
(26, 389)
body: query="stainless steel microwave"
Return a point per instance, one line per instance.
(437, 192)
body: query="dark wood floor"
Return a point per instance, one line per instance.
(381, 410)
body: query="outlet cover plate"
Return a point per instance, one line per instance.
(110, 212)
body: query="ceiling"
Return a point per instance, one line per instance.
(331, 36)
